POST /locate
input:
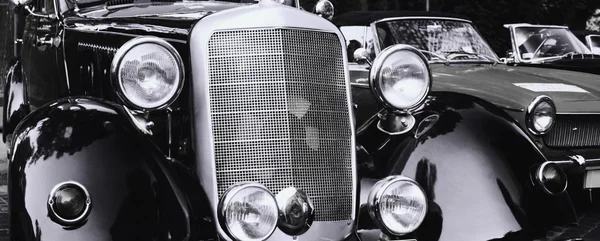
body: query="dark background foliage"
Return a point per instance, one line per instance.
(488, 16)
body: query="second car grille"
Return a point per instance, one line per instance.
(279, 115)
(574, 131)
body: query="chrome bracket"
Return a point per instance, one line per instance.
(140, 122)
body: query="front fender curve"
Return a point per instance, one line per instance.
(133, 192)
(473, 164)
(14, 106)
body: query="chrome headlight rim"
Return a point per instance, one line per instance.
(119, 56)
(374, 198)
(228, 196)
(55, 214)
(377, 67)
(538, 178)
(529, 115)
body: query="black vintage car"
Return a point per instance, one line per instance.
(489, 144)
(549, 46)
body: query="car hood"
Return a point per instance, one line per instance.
(583, 63)
(515, 87)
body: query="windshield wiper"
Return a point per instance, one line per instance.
(439, 56)
(490, 58)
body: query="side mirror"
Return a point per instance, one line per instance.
(325, 9)
(361, 55)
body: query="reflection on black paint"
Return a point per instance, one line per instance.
(431, 228)
(62, 135)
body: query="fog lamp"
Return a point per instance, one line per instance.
(550, 178)
(248, 211)
(69, 203)
(397, 204)
(541, 114)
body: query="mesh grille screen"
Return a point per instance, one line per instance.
(574, 131)
(279, 114)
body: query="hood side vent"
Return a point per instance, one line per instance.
(94, 68)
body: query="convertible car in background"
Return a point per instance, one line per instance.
(590, 38)
(496, 121)
(549, 46)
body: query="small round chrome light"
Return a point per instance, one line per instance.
(541, 114)
(400, 77)
(147, 73)
(248, 211)
(397, 204)
(550, 178)
(325, 9)
(69, 203)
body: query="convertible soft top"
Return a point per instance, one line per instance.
(364, 18)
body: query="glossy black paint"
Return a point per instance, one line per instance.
(15, 107)
(476, 177)
(136, 193)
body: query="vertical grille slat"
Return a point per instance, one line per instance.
(279, 114)
(574, 131)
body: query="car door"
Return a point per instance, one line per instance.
(39, 54)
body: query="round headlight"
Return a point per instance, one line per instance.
(248, 211)
(400, 77)
(398, 205)
(541, 115)
(147, 73)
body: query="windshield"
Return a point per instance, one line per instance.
(545, 42)
(454, 40)
(595, 44)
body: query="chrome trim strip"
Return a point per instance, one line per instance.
(422, 17)
(275, 15)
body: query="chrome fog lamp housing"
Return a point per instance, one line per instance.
(325, 9)
(397, 204)
(550, 178)
(69, 203)
(400, 77)
(541, 115)
(147, 73)
(248, 211)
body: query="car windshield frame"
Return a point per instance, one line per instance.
(575, 43)
(484, 43)
(591, 45)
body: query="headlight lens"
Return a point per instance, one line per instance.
(147, 73)
(248, 211)
(400, 77)
(398, 204)
(541, 115)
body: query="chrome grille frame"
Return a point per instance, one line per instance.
(273, 15)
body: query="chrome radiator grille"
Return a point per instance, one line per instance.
(279, 114)
(574, 131)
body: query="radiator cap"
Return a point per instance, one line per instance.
(296, 211)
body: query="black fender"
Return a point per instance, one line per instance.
(473, 163)
(136, 193)
(14, 106)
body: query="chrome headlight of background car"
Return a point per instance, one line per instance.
(400, 77)
(397, 204)
(147, 73)
(248, 211)
(541, 115)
